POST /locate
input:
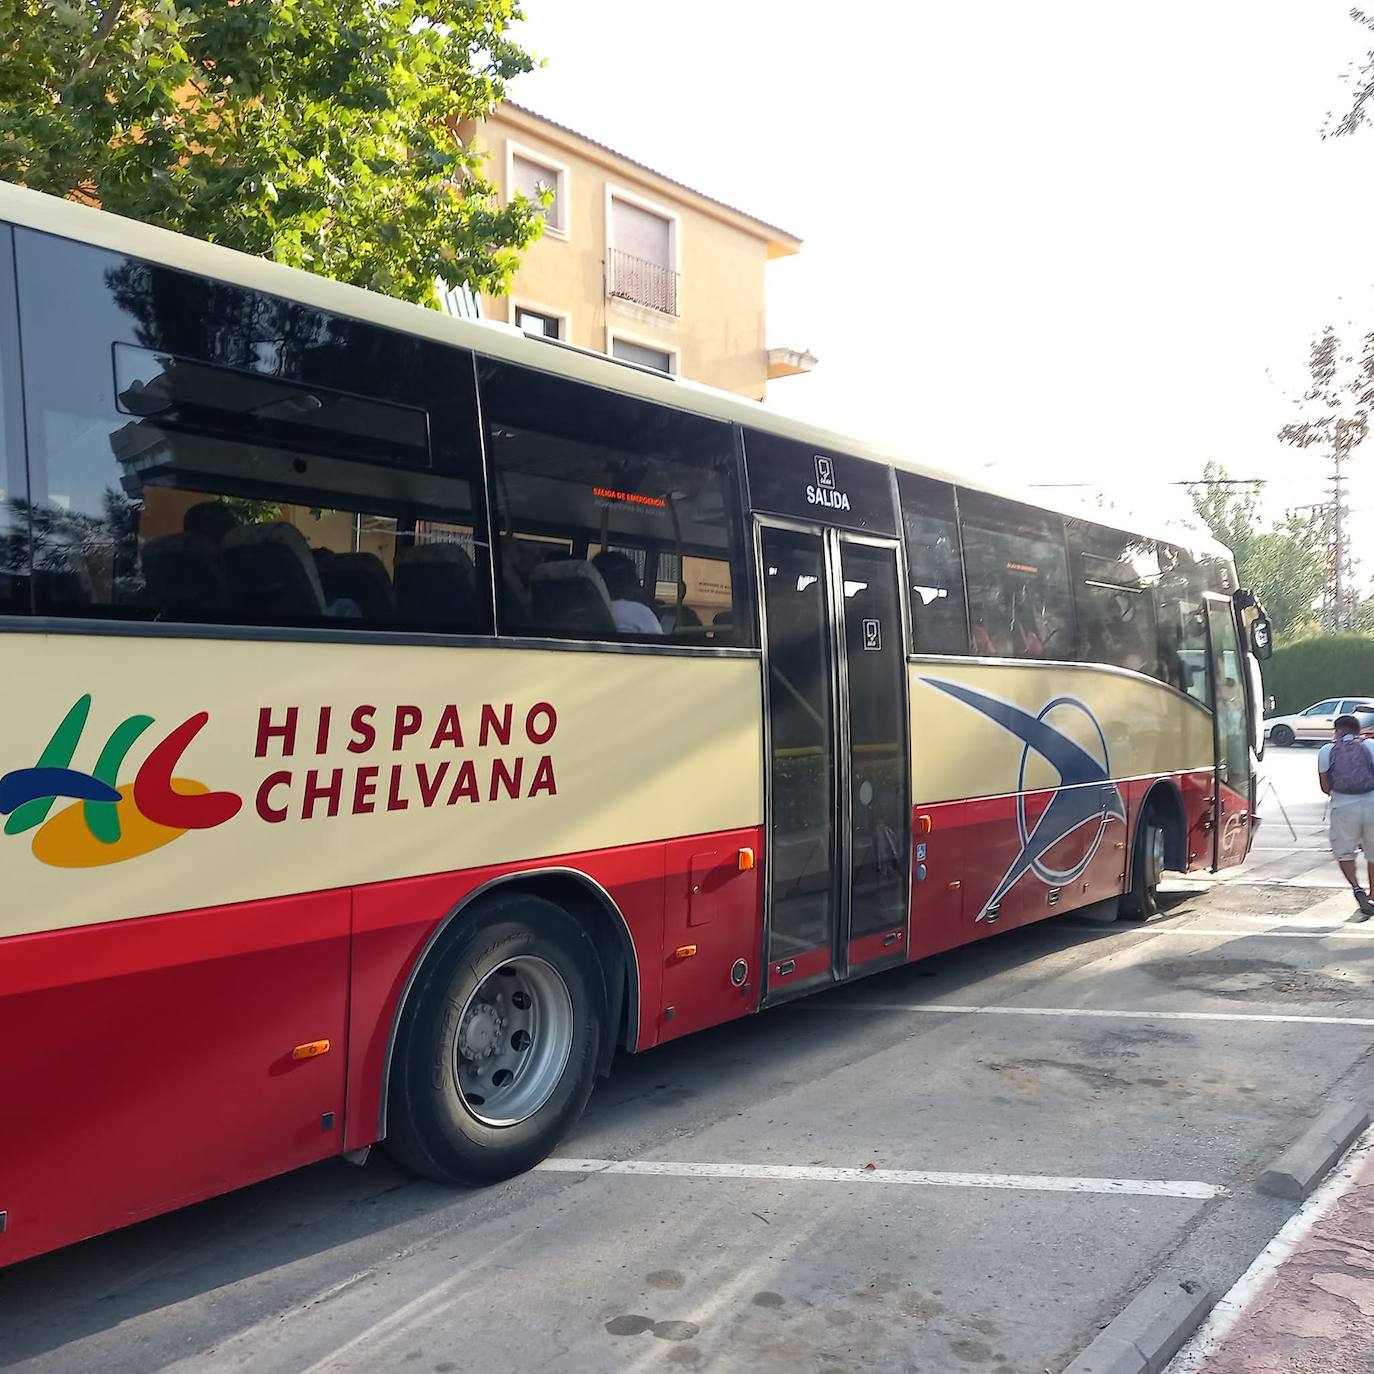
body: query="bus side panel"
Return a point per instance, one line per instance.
(1236, 823)
(937, 900)
(1198, 809)
(394, 921)
(147, 1064)
(713, 918)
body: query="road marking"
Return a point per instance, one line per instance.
(921, 1178)
(1328, 933)
(1301, 921)
(1132, 1015)
(1224, 1316)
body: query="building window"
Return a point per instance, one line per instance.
(618, 519)
(641, 256)
(540, 323)
(642, 355)
(530, 175)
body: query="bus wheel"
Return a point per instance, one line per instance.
(1282, 735)
(498, 1051)
(1147, 867)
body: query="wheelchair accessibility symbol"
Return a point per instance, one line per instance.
(873, 634)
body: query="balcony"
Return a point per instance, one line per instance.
(629, 278)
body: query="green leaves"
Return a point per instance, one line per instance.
(320, 133)
(1285, 566)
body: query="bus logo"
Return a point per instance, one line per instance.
(109, 822)
(1084, 801)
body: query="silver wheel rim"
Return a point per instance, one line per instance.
(1154, 857)
(514, 1038)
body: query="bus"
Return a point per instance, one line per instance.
(402, 716)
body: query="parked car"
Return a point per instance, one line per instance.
(1314, 724)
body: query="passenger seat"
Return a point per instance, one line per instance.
(436, 586)
(272, 575)
(569, 596)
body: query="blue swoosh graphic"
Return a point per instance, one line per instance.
(29, 784)
(1075, 802)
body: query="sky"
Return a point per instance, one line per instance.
(1060, 242)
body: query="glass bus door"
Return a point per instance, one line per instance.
(839, 812)
(1231, 804)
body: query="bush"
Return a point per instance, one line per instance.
(1309, 670)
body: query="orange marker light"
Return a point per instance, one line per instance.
(923, 825)
(312, 1050)
(954, 886)
(744, 860)
(685, 952)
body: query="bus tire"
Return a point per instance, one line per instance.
(498, 1049)
(1147, 867)
(1282, 735)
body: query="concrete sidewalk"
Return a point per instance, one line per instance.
(1315, 1313)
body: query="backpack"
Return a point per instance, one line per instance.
(1350, 768)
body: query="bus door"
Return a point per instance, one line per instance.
(1231, 799)
(838, 787)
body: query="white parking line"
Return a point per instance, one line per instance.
(1329, 933)
(922, 1178)
(1132, 1015)
(1248, 1287)
(1303, 921)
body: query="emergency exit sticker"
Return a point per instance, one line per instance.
(873, 634)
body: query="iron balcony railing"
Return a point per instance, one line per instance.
(646, 283)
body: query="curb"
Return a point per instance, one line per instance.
(1149, 1331)
(1307, 1160)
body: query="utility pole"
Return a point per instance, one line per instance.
(1336, 605)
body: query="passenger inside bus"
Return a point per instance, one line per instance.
(630, 611)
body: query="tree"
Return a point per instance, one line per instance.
(1334, 416)
(1284, 566)
(1361, 78)
(320, 133)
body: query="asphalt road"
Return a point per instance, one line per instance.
(1097, 1110)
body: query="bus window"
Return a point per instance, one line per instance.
(204, 453)
(1018, 579)
(1115, 575)
(1182, 628)
(14, 495)
(617, 519)
(938, 621)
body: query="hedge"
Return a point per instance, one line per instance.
(1309, 670)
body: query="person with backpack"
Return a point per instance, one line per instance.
(1345, 769)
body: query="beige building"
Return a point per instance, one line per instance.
(634, 264)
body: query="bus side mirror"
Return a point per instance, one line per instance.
(1262, 638)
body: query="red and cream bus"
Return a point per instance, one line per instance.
(402, 715)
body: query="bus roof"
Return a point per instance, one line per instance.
(100, 228)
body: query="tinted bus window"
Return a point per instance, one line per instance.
(617, 519)
(204, 453)
(1018, 579)
(1179, 610)
(14, 519)
(939, 624)
(1114, 581)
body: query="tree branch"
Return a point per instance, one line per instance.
(103, 30)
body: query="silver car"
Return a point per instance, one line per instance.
(1314, 724)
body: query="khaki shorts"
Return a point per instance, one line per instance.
(1352, 827)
